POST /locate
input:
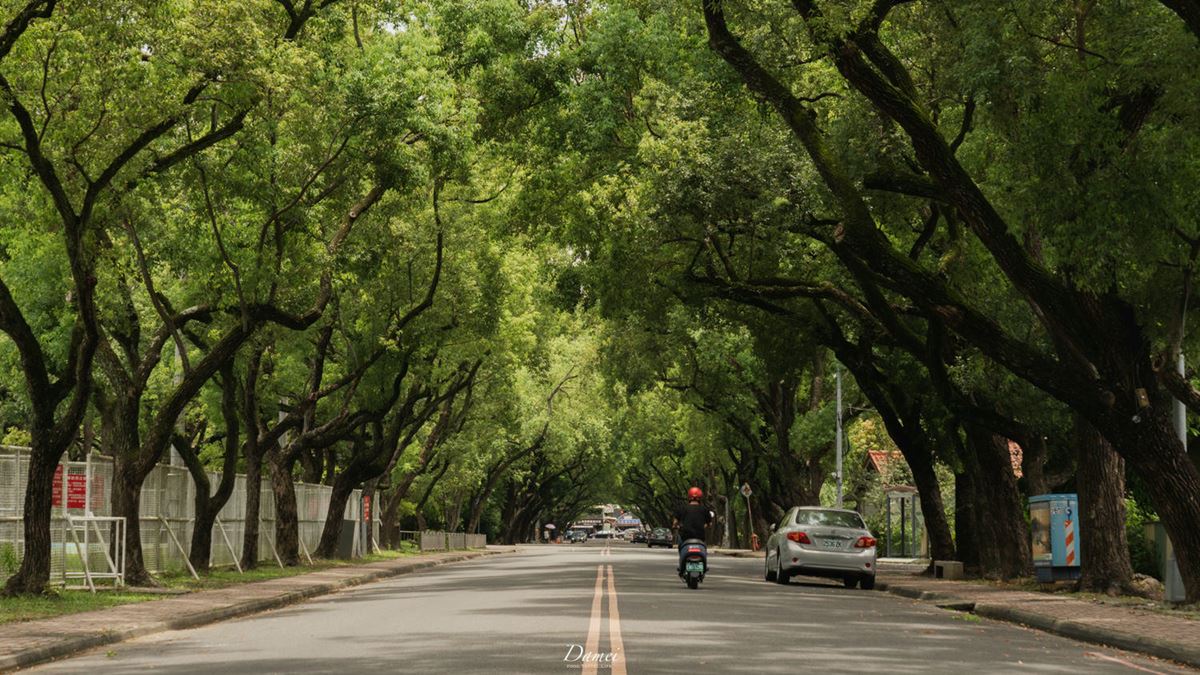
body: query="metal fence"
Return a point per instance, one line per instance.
(167, 517)
(432, 540)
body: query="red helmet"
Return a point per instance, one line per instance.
(695, 493)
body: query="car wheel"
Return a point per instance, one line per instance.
(850, 582)
(867, 582)
(781, 577)
(768, 574)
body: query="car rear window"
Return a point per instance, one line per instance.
(830, 518)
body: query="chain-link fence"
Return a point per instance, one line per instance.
(84, 489)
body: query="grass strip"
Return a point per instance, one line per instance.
(60, 602)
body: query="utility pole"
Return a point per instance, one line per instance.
(725, 539)
(750, 520)
(837, 377)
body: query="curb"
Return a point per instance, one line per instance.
(72, 646)
(738, 554)
(1076, 630)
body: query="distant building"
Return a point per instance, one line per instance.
(627, 521)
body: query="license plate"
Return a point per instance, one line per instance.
(695, 567)
(831, 543)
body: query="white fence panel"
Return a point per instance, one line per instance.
(167, 503)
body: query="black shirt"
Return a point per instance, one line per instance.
(692, 519)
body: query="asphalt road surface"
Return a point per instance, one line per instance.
(567, 609)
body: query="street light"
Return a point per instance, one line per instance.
(837, 377)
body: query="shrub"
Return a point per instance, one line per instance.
(1142, 553)
(8, 560)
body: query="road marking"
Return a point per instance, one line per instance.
(615, 642)
(593, 638)
(1122, 662)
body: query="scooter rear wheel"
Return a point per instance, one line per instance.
(693, 583)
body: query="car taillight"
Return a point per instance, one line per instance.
(864, 542)
(799, 537)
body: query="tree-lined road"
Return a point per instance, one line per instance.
(526, 612)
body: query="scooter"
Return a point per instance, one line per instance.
(695, 562)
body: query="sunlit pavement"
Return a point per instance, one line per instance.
(551, 609)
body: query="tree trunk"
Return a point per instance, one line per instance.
(208, 505)
(200, 553)
(312, 466)
(966, 542)
(34, 573)
(1002, 533)
(1033, 465)
(941, 544)
(287, 518)
(1151, 448)
(343, 487)
(253, 491)
(763, 524)
(1104, 552)
(126, 496)
(389, 517)
(907, 426)
(123, 442)
(389, 522)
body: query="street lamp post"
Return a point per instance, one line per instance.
(837, 377)
(725, 540)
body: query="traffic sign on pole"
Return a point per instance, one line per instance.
(746, 491)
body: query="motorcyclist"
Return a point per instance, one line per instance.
(691, 520)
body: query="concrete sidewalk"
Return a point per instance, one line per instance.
(1156, 633)
(26, 643)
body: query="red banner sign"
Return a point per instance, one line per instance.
(56, 494)
(76, 489)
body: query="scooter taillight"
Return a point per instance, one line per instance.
(695, 549)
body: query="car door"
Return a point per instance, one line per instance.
(780, 531)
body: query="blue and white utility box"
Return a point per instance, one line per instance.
(1054, 530)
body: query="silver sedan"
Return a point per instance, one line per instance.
(818, 542)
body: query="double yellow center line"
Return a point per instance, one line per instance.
(616, 644)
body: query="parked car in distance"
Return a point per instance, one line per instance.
(818, 542)
(638, 537)
(576, 537)
(603, 534)
(660, 536)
